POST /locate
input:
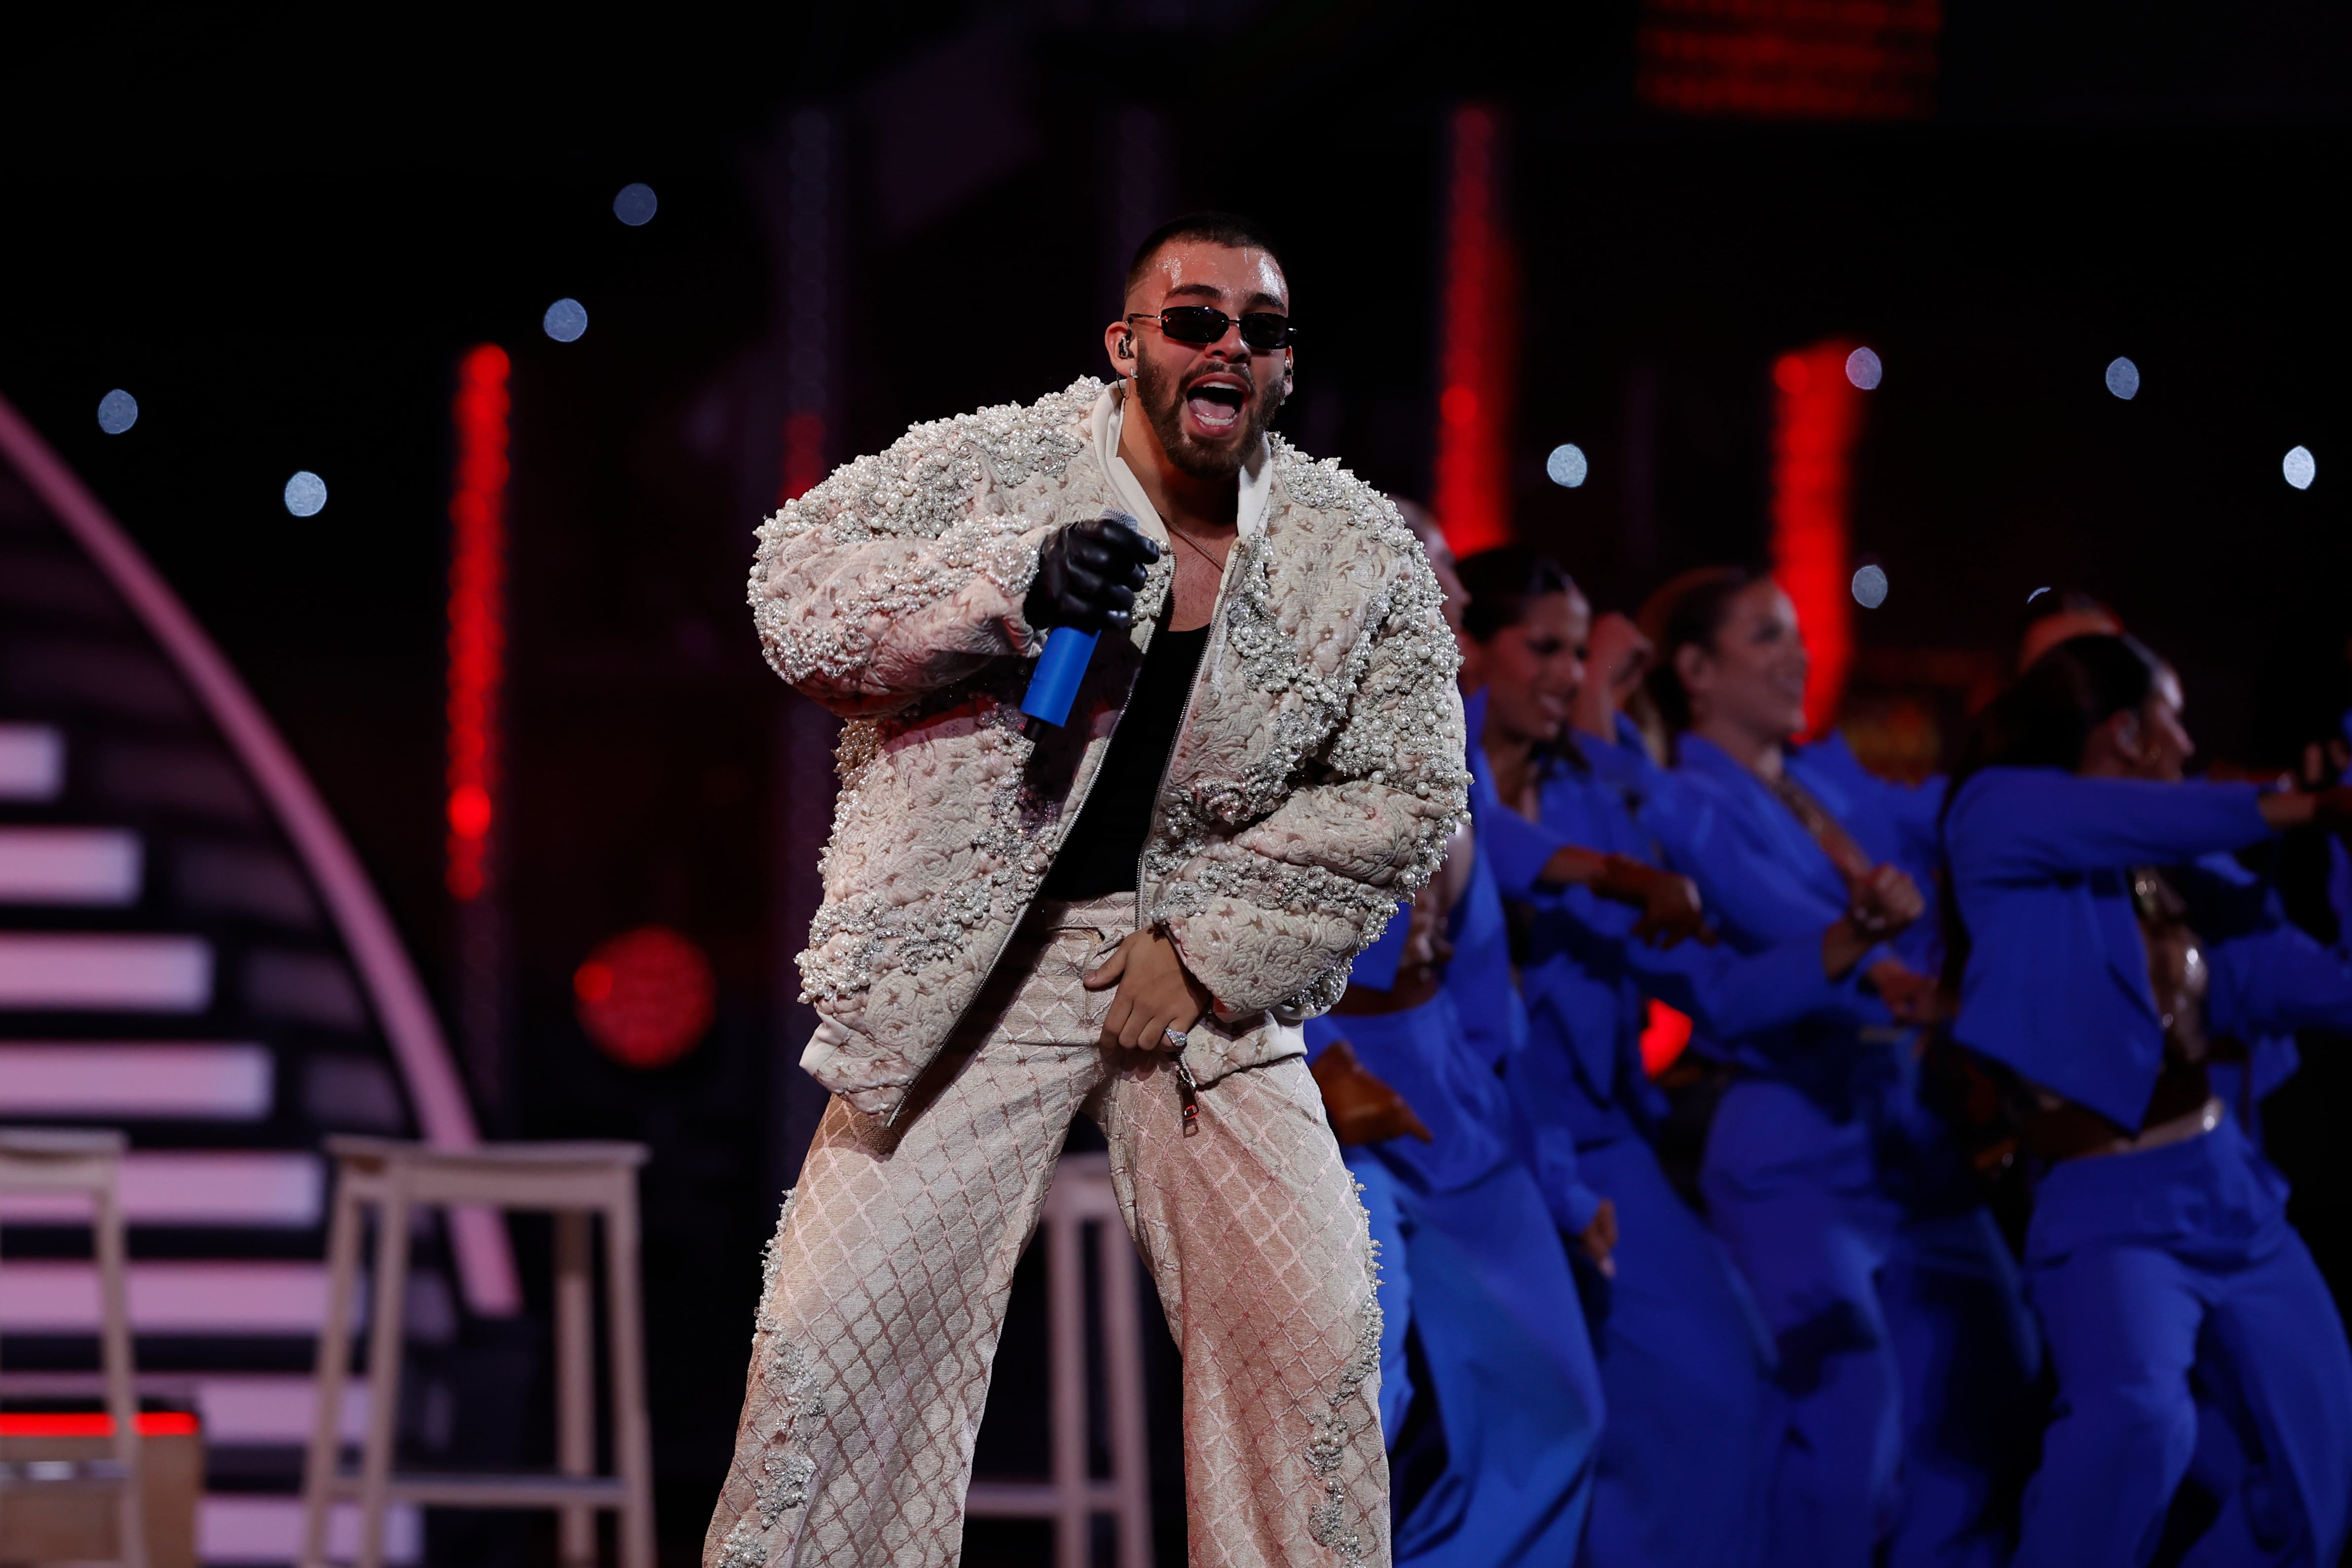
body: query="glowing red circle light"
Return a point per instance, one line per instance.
(469, 811)
(646, 997)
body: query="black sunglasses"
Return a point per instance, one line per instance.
(1261, 329)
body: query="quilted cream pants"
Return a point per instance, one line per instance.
(888, 1277)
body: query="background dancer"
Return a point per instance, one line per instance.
(1686, 1360)
(1905, 1348)
(1496, 1462)
(1199, 896)
(2160, 1260)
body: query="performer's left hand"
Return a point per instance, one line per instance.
(1599, 1239)
(1156, 993)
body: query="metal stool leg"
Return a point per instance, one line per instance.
(575, 1382)
(121, 1402)
(633, 1451)
(333, 1374)
(1130, 1462)
(385, 1347)
(1066, 1326)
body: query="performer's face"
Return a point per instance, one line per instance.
(1209, 404)
(1753, 679)
(2160, 748)
(1532, 671)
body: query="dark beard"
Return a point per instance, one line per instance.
(1163, 403)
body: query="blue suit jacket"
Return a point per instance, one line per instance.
(2057, 983)
(1587, 976)
(1768, 885)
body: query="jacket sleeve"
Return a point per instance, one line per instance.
(900, 573)
(1270, 918)
(2276, 981)
(1516, 848)
(1732, 994)
(2028, 824)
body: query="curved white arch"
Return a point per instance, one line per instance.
(484, 1259)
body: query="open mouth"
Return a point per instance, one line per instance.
(1215, 404)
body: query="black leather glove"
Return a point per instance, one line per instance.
(1088, 574)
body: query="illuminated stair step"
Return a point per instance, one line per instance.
(55, 973)
(133, 1082)
(45, 1295)
(83, 866)
(235, 1529)
(184, 1188)
(32, 763)
(264, 1410)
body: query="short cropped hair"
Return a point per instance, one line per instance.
(1502, 583)
(1228, 229)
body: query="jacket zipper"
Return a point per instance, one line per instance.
(1188, 1092)
(1070, 813)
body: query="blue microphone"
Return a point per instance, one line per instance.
(1054, 683)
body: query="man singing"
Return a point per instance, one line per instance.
(1129, 915)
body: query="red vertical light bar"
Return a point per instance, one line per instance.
(804, 454)
(478, 615)
(1477, 363)
(1817, 417)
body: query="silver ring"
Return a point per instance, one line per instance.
(1173, 1038)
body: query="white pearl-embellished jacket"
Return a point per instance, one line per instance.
(1314, 782)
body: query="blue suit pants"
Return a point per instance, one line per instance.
(1686, 1366)
(2162, 1277)
(1905, 1353)
(1479, 1273)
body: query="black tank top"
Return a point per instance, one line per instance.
(1100, 855)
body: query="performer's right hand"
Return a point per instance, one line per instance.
(1886, 902)
(1088, 574)
(1598, 1240)
(1670, 903)
(1359, 1104)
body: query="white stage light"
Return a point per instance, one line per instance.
(565, 320)
(117, 411)
(306, 494)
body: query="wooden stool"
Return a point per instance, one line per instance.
(1082, 1195)
(36, 1161)
(574, 1181)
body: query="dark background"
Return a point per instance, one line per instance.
(280, 231)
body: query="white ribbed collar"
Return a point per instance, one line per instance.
(1104, 425)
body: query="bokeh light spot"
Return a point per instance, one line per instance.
(593, 983)
(117, 411)
(636, 206)
(2123, 378)
(565, 320)
(646, 997)
(1870, 587)
(1863, 368)
(2300, 468)
(306, 494)
(1566, 465)
(1663, 1035)
(1789, 374)
(469, 811)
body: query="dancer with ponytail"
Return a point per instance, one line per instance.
(2159, 1257)
(1685, 1359)
(1907, 1356)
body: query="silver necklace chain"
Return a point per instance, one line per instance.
(1198, 548)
